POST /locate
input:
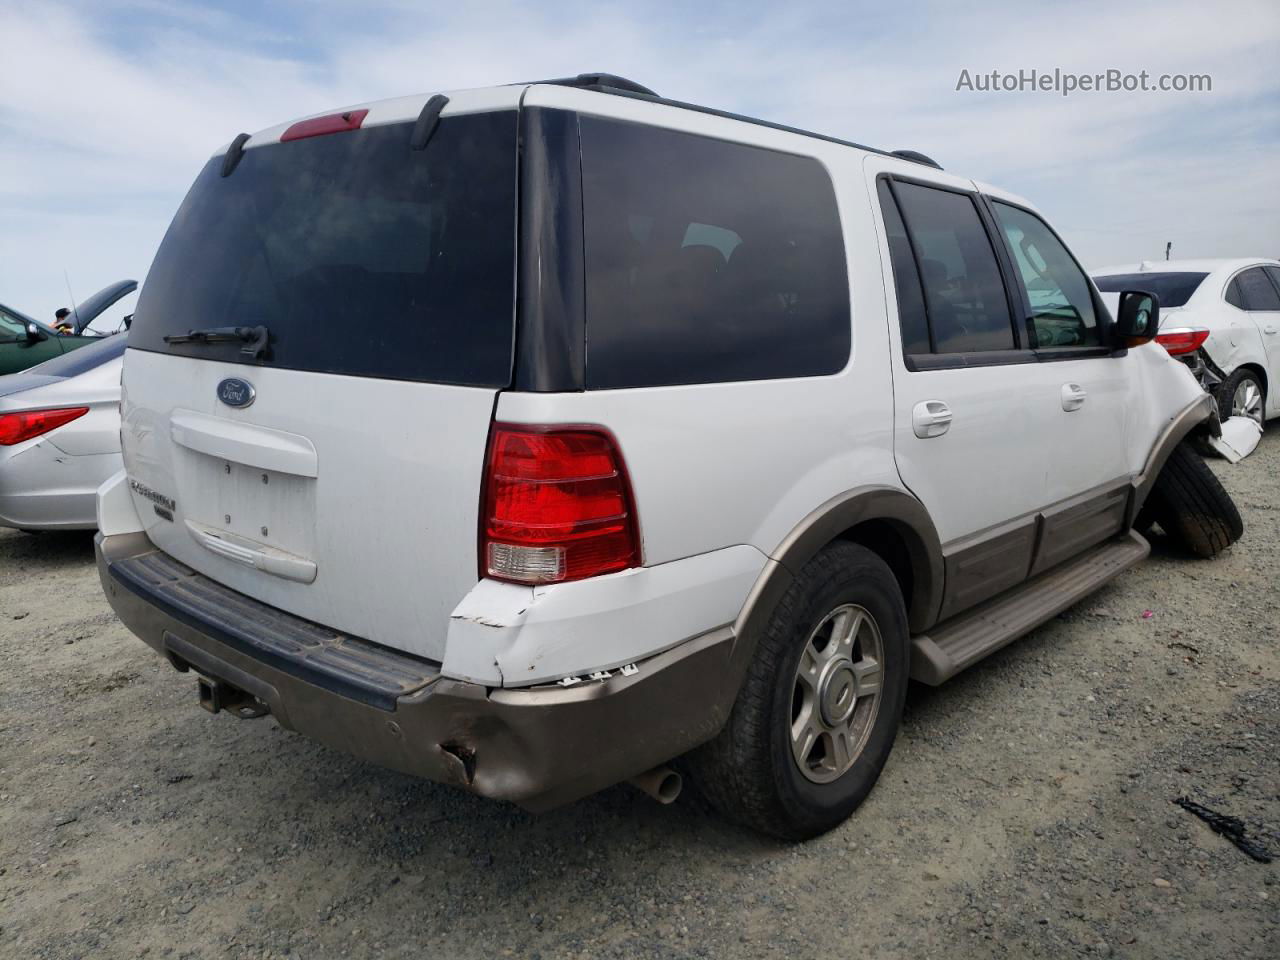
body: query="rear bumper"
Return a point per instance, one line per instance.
(538, 747)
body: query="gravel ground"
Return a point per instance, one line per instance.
(1025, 811)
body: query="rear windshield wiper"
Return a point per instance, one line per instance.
(254, 338)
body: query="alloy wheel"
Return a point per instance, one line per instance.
(1247, 401)
(837, 693)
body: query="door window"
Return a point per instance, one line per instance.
(1233, 295)
(964, 293)
(1058, 300)
(906, 278)
(1257, 290)
(11, 328)
(1274, 274)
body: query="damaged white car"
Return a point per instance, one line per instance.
(1222, 319)
(693, 440)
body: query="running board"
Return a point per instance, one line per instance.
(964, 640)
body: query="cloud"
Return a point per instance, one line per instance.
(108, 109)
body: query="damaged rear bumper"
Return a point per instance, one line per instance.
(538, 747)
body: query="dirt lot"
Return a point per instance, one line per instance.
(1025, 812)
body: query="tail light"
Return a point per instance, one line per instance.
(1182, 340)
(557, 505)
(16, 427)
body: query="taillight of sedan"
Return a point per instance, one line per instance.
(1182, 340)
(17, 427)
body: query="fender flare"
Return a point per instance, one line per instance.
(1201, 412)
(903, 512)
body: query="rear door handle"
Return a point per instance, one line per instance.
(1073, 396)
(1268, 329)
(930, 418)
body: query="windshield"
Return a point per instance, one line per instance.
(1173, 289)
(360, 255)
(83, 359)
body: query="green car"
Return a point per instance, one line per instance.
(24, 342)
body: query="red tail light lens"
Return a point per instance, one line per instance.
(16, 427)
(318, 126)
(1182, 340)
(557, 506)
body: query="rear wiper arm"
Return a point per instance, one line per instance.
(254, 338)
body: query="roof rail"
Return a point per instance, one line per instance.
(602, 83)
(915, 156)
(620, 86)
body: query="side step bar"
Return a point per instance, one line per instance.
(964, 640)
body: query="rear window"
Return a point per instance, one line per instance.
(360, 255)
(707, 260)
(1173, 289)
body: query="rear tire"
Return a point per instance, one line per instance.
(800, 689)
(1243, 395)
(1191, 505)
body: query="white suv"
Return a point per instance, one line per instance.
(530, 438)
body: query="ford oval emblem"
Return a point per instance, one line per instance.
(235, 392)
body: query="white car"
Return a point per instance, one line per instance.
(60, 437)
(529, 438)
(1222, 319)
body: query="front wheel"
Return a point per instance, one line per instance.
(1191, 506)
(818, 711)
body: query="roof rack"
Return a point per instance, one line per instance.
(620, 86)
(603, 83)
(915, 156)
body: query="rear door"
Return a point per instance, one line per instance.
(1260, 291)
(972, 407)
(336, 473)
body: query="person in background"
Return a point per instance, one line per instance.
(62, 322)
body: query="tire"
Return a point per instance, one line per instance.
(1191, 506)
(751, 772)
(1227, 390)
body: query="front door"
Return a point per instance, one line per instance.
(1083, 449)
(19, 353)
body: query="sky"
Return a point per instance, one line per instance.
(109, 108)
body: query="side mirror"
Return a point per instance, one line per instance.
(34, 333)
(1138, 319)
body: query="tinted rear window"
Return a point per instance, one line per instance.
(963, 288)
(906, 278)
(707, 260)
(361, 256)
(1173, 289)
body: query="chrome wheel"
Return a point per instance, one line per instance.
(1247, 400)
(837, 693)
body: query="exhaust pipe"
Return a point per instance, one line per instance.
(661, 783)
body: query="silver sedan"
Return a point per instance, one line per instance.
(60, 437)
